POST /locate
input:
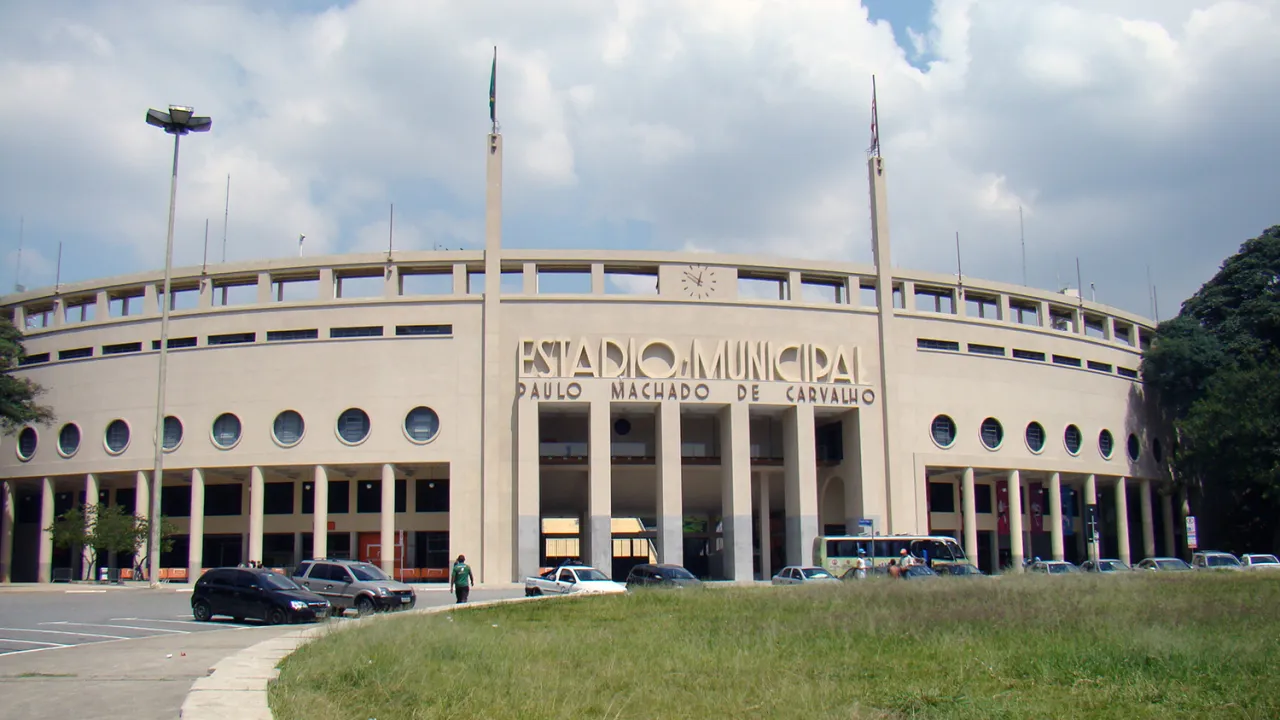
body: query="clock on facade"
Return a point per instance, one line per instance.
(700, 281)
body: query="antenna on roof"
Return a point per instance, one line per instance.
(17, 273)
(959, 272)
(57, 273)
(391, 229)
(226, 211)
(204, 264)
(1079, 285)
(874, 150)
(1022, 236)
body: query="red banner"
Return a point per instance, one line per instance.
(1002, 507)
(1037, 500)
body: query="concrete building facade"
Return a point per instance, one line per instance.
(717, 411)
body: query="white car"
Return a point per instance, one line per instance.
(571, 579)
(1254, 561)
(803, 575)
(1212, 560)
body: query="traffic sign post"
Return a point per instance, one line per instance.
(1191, 532)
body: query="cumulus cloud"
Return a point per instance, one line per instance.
(1130, 133)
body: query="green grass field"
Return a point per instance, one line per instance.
(1179, 645)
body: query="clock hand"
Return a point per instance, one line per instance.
(697, 280)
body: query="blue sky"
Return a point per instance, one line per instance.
(1130, 132)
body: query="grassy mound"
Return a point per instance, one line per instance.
(1193, 645)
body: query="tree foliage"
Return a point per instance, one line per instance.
(17, 394)
(105, 529)
(1215, 373)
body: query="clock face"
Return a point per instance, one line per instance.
(699, 281)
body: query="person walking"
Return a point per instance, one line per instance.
(460, 579)
(860, 565)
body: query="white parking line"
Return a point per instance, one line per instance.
(59, 647)
(122, 627)
(33, 642)
(84, 592)
(213, 624)
(64, 632)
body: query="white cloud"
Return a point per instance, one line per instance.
(1131, 133)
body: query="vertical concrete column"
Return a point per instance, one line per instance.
(670, 484)
(598, 535)
(970, 515)
(1055, 517)
(7, 498)
(141, 508)
(297, 547)
(1016, 555)
(195, 539)
(528, 535)
(327, 286)
(387, 516)
(257, 488)
(597, 278)
(766, 527)
(391, 282)
(90, 499)
(851, 471)
(1090, 498)
(800, 466)
(264, 288)
(320, 518)
(1122, 520)
(1166, 507)
(735, 491)
(1148, 522)
(45, 568)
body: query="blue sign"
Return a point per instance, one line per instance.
(864, 522)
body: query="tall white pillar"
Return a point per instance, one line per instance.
(969, 515)
(6, 531)
(195, 538)
(388, 519)
(766, 527)
(800, 467)
(320, 514)
(1148, 521)
(1093, 537)
(90, 499)
(1122, 520)
(45, 570)
(1015, 520)
(598, 535)
(528, 535)
(1055, 516)
(735, 491)
(1170, 541)
(670, 483)
(257, 488)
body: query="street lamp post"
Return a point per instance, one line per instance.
(177, 122)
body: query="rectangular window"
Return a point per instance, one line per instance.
(1065, 360)
(1127, 372)
(762, 287)
(125, 497)
(283, 335)
(942, 497)
(426, 283)
(277, 498)
(432, 496)
(308, 498)
(562, 281)
(124, 305)
(1025, 313)
(34, 359)
(1062, 320)
(339, 497)
(1100, 367)
(235, 293)
(185, 342)
(223, 500)
(1123, 333)
(351, 332)
(401, 501)
(355, 285)
(183, 298)
(175, 501)
(369, 496)
(927, 344)
(75, 354)
(977, 349)
(1095, 326)
(424, 330)
(935, 300)
(28, 508)
(1028, 355)
(822, 290)
(122, 348)
(981, 306)
(300, 289)
(232, 339)
(867, 295)
(982, 498)
(432, 549)
(631, 281)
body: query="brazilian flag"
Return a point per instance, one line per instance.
(493, 88)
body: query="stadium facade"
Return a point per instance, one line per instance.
(518, 406)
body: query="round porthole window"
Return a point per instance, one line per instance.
(1135, 447)
(172, 433)
(27, 441)
(226, 431)
(1106, 444)
(1035, 437)
(69, 439)
(992, 433)
(288, 428)
(117, 437)
(353, 426)
(943, 430)
(421, 425)
(622, 426)
(1071, 438)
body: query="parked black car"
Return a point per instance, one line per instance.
(661, 575)
(259, 593)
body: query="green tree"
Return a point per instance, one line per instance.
(17, 394)
(1214, 371)
(105, 529)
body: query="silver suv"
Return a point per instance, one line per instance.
(352, 584)
(1211, 560)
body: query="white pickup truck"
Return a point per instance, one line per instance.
(568, 579)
